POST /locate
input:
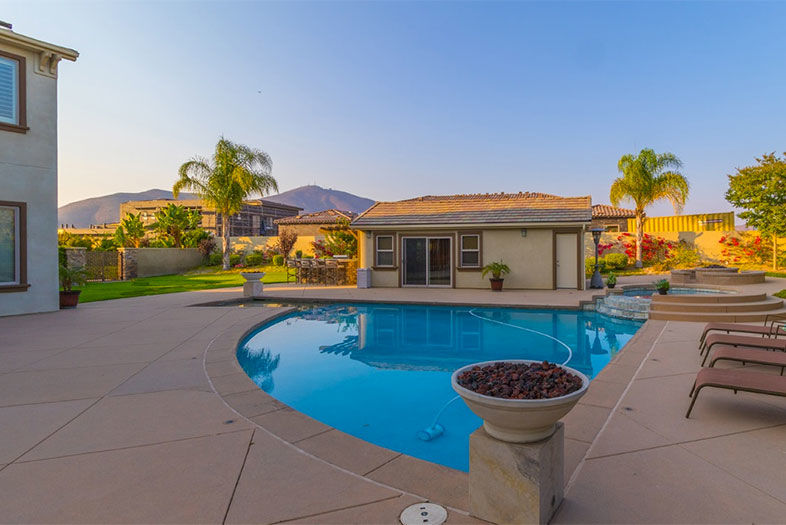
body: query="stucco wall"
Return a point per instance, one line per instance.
(249, 244)
(28, 173)
(304, 230)
(706, 242)
(530, 258)
(165, 261)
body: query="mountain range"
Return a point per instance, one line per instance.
(105, 209)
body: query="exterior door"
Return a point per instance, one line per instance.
(567, 260)
(426, 261)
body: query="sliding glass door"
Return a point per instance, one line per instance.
(427, 261)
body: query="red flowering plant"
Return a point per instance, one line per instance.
(604, 247)
(654, 250)
(320, 249)
(745, 250)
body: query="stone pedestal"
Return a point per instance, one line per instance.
(515, 482)
(253, 286)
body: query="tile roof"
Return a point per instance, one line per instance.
(604, 211)
(318, 217)
(480, 208)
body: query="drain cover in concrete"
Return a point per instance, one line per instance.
(421, 513)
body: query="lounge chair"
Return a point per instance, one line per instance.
(766, 343)
(773, 326)
(748, 355)
(736, 379)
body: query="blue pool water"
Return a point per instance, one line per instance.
(381, 372)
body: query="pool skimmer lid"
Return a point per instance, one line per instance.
(421, 513)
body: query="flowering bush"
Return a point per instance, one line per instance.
(320, 249)
(745, 250)
(604, 247)
(653, 249)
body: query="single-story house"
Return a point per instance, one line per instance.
(611, 218)
(314, 224)
(444, 241)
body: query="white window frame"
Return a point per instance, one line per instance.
(15, 120)
(17, 248)
(391, 251)
(462, 250)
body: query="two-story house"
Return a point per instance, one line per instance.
(28, 172)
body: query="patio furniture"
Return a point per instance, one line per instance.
(332, 270)
(765, 343)
(735, 379)
(748, 355)
(774, 325)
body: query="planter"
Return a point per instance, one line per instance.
(518, 420)
(69, 299)
(612, 285)
(663, 292)
(252, 276)
(496, 284)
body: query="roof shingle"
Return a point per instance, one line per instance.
(482, 208)
(604, 211)
(318, 217)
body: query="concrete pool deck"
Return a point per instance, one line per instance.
(133, 411)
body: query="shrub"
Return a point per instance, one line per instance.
(653, 249)
(214, 259)
(286, 241)
(255, 259)
(235, 259)
(616, 261)
(278, 260)
(589, 265)
(206, 247)
(683, 255)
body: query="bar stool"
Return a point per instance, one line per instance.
(332, 268)
(293, 270)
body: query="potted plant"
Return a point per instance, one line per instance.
(662, 286)
(497, 270)
(611, 280)
(520, 401)
(69, 277)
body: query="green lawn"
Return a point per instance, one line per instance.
(202, 279)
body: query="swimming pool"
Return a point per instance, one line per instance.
(381, 372)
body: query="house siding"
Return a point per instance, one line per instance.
(530, 257)
(28, 173)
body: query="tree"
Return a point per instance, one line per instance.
(761, 191)
(341, 239)
(174, 221)
(286, 241)
(130, 231)
(647, 178)
(232, 175)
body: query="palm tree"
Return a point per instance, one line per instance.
(647, 178)
(233, 174)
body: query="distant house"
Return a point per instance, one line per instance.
(314, 223)
(28, 172)
(444, 241)
(257, 217)
(612, 218)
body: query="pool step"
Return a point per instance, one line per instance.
(769, 303)
(755, 308)
(706, 298)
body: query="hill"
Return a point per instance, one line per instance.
(315, 198)
(99, 210)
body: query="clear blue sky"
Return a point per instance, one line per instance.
(393, 100)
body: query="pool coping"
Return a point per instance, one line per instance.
(388, 468)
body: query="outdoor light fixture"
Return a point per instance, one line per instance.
(597, 280)
(523, 232)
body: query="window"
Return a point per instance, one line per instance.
(13, 264)
(12, 93)
(384, 250)
(470, 251)
(612, 227)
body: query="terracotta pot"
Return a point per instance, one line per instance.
(518, 420)
(496, 284)
(69, 299)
